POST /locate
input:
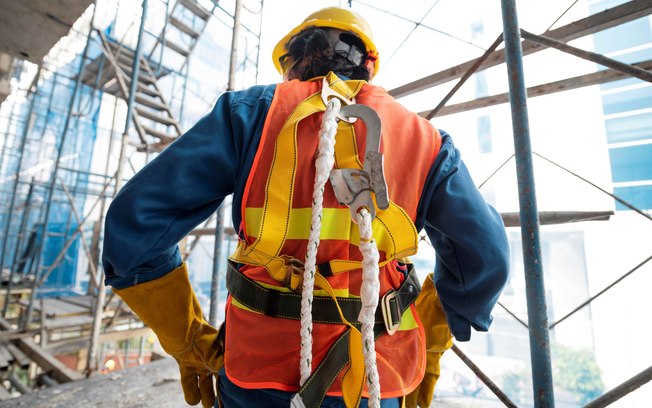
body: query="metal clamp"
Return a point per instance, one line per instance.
(386, 306)
(353, 187)
(327, 93)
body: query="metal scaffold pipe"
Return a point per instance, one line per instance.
(57, 162)
(219, 218)
(534, 282)
(101, 288)
(12, 202)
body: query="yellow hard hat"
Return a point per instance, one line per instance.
(333, 17)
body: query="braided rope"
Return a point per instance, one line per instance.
(369, 292)
(323, 165)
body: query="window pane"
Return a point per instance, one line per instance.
(633, 163)
(484, 134)
(627, 100)
(627, 35)
(629, 128)
(640, 197)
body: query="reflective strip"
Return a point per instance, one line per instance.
(277, 221)
(336, 223)
(280, 182)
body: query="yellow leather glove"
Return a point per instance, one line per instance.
(170, 308)
(438, 340)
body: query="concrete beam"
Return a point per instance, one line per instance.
(29, 29)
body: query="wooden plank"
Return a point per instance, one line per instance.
(57, 308)
(595, 78)
(67, 321)
(45, 360)
(5, 359)
(15, 334)
(19, 357)
(82, 301)
(592, 24)
(71, 345)
(153, 385)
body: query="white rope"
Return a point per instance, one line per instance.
(323, 166)
(370, 293)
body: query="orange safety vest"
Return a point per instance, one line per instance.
(263, 351)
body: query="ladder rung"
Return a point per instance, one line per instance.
(156, 118)
(153, 147)
(142, 75)
(164, 137)
(184, 27)
(149, 102)
(196, 9)
(120, 49)
(148, 91)
(177, 48)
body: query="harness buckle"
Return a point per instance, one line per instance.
(391, 312)
(293, 273)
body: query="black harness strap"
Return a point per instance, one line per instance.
(288, 305)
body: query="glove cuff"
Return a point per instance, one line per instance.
(167, 305)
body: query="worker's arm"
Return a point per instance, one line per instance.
(470, 241)
(180, 188)
(158, 207)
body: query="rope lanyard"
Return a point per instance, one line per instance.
(370, 290)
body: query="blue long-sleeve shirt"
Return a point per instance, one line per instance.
(188, 181)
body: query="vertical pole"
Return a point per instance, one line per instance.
(29, 120)
(101, 287)
(217, 255)
(219, 219)
(57, 162)
(135, 71)
(534, 283)
(24, 217)
(234, 44)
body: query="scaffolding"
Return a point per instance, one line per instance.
(53, 198)
(54, 202)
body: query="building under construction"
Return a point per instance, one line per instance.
(559, 99)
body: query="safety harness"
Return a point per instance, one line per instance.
(367, 317)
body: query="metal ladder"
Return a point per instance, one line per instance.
(185, 24)
(111, 72)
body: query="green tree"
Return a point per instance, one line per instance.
(577, 372)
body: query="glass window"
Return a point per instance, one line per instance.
(638, 196)
(481, 85)
(631, 163)
(624, 36)
(620, 83)
(601, 5)
(628, 100)
(484, 134)
(629, 128)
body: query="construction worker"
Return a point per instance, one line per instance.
(332, 180)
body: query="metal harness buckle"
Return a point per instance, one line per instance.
(388, 317)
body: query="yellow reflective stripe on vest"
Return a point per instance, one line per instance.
(337, 225)
(278, 197)
(277, 221)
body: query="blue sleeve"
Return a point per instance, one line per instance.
(470, 241)
(181, 187)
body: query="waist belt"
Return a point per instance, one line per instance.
(287, 305)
